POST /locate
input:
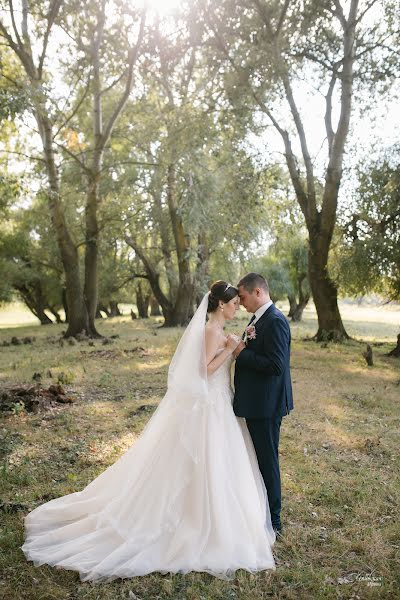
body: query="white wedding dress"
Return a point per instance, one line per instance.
(187, 496)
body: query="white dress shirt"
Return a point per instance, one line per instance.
(260, 311)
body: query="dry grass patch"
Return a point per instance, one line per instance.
(339, 462)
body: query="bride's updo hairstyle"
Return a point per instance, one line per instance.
(220, 290)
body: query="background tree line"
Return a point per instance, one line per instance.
(126, 167)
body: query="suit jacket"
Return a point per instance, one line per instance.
(263, 387)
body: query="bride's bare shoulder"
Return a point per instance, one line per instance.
(214, 334)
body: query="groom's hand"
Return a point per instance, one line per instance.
(238, 349)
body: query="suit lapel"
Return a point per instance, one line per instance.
(265, 314)
(260, 321)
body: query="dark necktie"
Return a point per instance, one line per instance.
(248, 325)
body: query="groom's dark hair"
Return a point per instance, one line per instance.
(252, 281)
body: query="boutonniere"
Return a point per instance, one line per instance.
(251, 333)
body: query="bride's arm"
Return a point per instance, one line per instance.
(214, 360)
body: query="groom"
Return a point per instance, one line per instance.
(263, 388)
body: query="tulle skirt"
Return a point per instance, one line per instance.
(187, 496)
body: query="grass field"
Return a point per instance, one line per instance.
(339, 458)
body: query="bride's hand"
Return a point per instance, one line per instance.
(232, 341)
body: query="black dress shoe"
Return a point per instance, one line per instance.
(278, 533)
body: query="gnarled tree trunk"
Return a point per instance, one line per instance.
(184, 294)
(296, 308)
(36, 304)
(142, 301)
(91, 255)
(114, 309)
(396, 351)
(77, 313)
(324, 291)
(155, 310)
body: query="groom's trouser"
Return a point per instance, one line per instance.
(265, 436)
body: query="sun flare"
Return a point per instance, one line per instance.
(163, 7)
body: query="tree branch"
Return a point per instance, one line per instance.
(133, 55)
(339, 13)
(335, 164)
(366, 9)
(14, 25)
(51, 17)
(328, 113)
(152, 274)
(262, 11)
(190, 68)
(294, 172)
(282, 18)
(25, 155)
(74, 156)
(289, 157)
(79, 104)
(303, 142)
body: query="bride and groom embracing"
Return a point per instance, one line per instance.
(200, 488)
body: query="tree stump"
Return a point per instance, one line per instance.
(396, 351)
(368, 356)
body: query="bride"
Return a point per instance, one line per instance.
(187, 496)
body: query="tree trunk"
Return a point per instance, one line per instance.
(54, 312)
(184, 296)
(101, 132)
(142, 302)
(43, 318)
(91, 255)
(64, 303)
(324, 291)
(161, 218)
(202, 275)
(177, 317)
(292, 305)
(173, 313)
(104, 309)
(155, 310)
(396, 351)
(153, 276)
(34, 300)
(38, 311)
(77, 314)
(93, 172)
(297, 308)
(298, 312)
(114, 309)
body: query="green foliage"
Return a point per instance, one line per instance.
(191, 107)
(369, 257)
(29, 258)
(9, 193)
(12, 102)
(14, 96)
(286, 264)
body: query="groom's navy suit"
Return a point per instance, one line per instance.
(263, 395)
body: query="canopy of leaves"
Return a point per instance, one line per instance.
(369, 259)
